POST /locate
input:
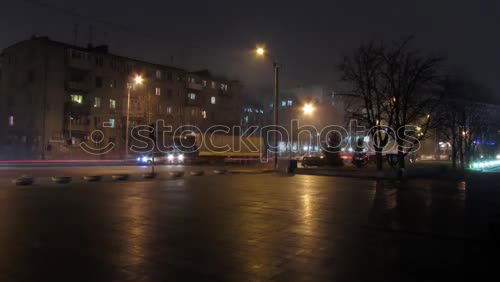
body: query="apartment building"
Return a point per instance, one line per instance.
(54, 95)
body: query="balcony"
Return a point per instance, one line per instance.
(77, 86)
(195, 86)
(78, 108)
(80, 60)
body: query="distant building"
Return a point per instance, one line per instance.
(327, 110)
(53, 95)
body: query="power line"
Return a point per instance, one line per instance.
(73, 12)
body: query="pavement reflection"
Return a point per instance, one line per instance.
(233, 227)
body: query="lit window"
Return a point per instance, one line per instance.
(245, 119)
(158, 74)
(11, 120)
(223, 86)
(283, 103)
(212, 100)
(192, 96)
(112, 122)
(213, 84)
(77, 99)
(289, 103)
(157, 91)
(169, 110)
(204, 83)
(97, 102)
(112, 104)
(204, 114)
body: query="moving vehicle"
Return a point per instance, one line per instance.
(220, 147)
(194, 148)
(313, 160)
(172, 157)
(360, 159)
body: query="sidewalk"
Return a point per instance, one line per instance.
(370, 172)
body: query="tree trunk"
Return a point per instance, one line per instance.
(379, 160)
(453, 152)
(461, 152)
(401, 161)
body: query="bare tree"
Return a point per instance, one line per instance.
(411, 83)
(468, 118)
(361, 70)
(398, 87)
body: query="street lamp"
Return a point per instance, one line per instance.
(260, 51)
(308, 109)
(137, 81)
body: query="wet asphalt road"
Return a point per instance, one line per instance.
(260, 227)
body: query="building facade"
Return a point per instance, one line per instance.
(53, 96)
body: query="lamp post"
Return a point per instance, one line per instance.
(260, 51)
(137, 81)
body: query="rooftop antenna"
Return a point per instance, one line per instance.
(75, 34)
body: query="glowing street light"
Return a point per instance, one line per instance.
(138, 80)
(260, 51)
(308, 109)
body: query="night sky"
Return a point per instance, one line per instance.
(307, 37)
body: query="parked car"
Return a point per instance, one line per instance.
(313, 160)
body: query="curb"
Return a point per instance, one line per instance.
(92, 178)
(149, 175)
(120, 177)
(23, 181)
(175, 174)
(61, 179)
(220, 171)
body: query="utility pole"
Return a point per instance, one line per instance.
(276, 67)
(129, 85)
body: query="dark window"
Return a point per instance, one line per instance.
(169, 92)
(99, 61)
(169, 76)
(31, 76)
(98, 81)
(13, 79)
(76, 75)
(10, 102)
